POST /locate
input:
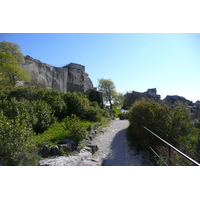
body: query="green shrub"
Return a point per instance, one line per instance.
(15, 146)
(123, 116)
(38, 115)
(75, 129)
(75, 104)
(44, 116)
(172, 124)
(21, 110)
(92, 114)
(51, 97)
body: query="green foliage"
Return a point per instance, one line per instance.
(15, 144)
(107, 87)
(94, 96)
(123, 116)
(51, 136)
(116, 112)
(92, 114)
(75, 130)
(38, 115)
(75, 104)
(10, 59)
(172, 124)
(51, 97)
(32, 109)
(44, 115)
(13, 49)
(19, 110)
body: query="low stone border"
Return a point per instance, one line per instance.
(83, 158)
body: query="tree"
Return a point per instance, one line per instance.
(107, 87)
(10, 59)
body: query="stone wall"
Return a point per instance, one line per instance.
(70, 78)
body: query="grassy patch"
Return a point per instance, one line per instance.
(56, 133)
(51, 136)
(116, 112)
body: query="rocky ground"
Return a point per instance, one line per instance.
(113, 150)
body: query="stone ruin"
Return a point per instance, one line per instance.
(131, 97)
(70, 78)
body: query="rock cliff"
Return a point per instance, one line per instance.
(70, 78)
(130, 98)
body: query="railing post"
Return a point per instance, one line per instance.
(169, 154)
(149, 149)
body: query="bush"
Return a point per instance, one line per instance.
(38, 115)
(172, 124)
(21, 110)
(76, 131)
(75, 104)
(123, 116)
(44, 116)
(15, 139)
(51, 97)
(92, 114)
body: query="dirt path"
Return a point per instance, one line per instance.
(113, 146)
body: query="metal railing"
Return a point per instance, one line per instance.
(169, 149)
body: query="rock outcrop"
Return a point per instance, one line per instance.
(175, 98)
(131, 97)
(70, 78)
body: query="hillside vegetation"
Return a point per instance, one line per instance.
(31, 117)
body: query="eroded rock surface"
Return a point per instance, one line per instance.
(70, 78)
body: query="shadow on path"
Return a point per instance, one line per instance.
(120, 154)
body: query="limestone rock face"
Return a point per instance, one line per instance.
(70, 78)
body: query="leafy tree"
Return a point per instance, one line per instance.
(10, 59)
(107, 87)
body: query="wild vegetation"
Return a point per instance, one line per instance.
(31, 117)
(10, 59)
(172, 123)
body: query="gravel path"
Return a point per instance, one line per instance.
(113, 146)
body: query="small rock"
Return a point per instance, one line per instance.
(64, 147)
(93, 147)
(46, 150)
(88, 149)
(55, 150)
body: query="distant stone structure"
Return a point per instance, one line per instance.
(131, 97)
(175, 98)
(70, 78)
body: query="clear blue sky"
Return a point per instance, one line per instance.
(169, 62)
